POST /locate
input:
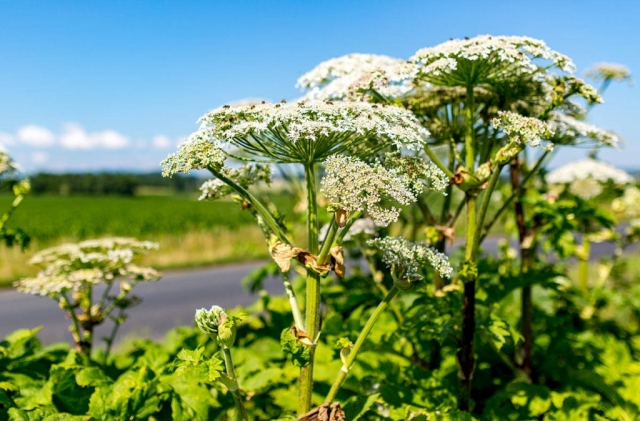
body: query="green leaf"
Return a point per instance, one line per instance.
(356, 406)
(92, 376)
(298, 353)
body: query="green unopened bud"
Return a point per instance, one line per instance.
(217, 324)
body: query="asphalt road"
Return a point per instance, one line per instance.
(168, 303)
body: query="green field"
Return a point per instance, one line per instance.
(190, 232)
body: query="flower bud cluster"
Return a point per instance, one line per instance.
(407, 258)
(244, 176)
(200, 151)
(73, 267)
(217, 324)
(356, 185)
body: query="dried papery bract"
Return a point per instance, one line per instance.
(309, 132)
(69, 273)
(348, 77)
(486, 59)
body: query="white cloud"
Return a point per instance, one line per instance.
(161, 142)
(6, 139)
(36, 136)
(75, 137)
(39, 158)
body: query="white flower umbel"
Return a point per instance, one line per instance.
(524, 130)
(8, 167)
(355, 185)
(609, 71)
(344, 78)
(73, 267)
(570, 130)
(561, 87)
(407, 259)
(486, 59)
(244, 176)
(629, 203)
(575, 176)
(200, 151)
(308, 132)
(416, 172)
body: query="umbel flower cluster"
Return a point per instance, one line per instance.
(609, 71)
(8, 167)
(200, 151)
(585, 178)
(74, 267)
(355, 185)
(579, 132)
(520, 129)
(244, 176)
(310, 131)
(485, 58)
(407, 259)
(344, 78)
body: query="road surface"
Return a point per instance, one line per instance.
(168, 303)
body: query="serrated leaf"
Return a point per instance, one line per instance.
(357, 406)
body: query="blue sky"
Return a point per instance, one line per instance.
(105, 85)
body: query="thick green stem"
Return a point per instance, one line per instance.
(583, 264)
(525, 264)
(264, 212)
(466, 359)
(344, 371)
(235, 391)
(305, 382)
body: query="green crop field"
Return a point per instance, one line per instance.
(190, 232)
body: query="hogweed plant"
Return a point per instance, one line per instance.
(347, 140)
(11, 180)
(71, 275)
(486, 102)
(454, 117)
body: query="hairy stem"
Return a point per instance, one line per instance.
(235, 391)
(466, 359)
(305, 383)
(436, 160)
(525, 264)
(344, 371)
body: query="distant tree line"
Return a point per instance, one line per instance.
(108, 183)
